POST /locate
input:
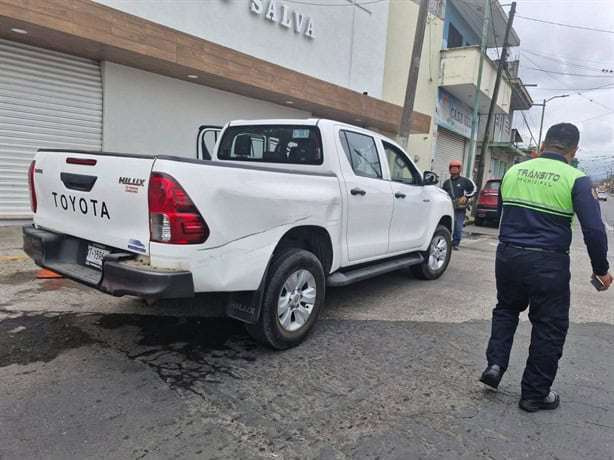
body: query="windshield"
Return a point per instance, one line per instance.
(272, 144)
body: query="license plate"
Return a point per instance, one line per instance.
(95, 254)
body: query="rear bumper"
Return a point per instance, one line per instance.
(65, 255)
(487, 212)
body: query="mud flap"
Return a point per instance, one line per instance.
(244, 306)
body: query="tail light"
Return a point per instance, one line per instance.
(33, 202)
(173, 218)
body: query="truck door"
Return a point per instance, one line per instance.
(411, 206)
(368, 196)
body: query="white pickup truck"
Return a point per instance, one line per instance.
(283, 209)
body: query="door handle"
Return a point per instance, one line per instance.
(399, 195)
(80, 182)
(358, 191)
(426, 200)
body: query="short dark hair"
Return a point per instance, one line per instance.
(563, 137)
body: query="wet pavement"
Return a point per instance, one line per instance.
(389, 372)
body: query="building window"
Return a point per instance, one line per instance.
(455, 39)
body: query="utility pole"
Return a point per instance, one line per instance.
(412, 78)
(541, 123)
(476, 97)
(493, 101)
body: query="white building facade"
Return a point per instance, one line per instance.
(142, 76)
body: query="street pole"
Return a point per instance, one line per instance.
(493, 101)
(541, 123)
(412, 78)
(476, 96)
(541, 126)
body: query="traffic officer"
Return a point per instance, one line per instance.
(460, 190)
(539, 198)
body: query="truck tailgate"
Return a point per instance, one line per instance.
(101, 198)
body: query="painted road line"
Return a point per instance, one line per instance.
(16, 257)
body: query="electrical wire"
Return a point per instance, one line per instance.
(529, 128)
(334, 4)
(608, 65)
(598, 88)
(570, 74)
(567, 63)
(550, 74)
(598, 116)
(566, 25)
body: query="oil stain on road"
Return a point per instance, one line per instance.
(185, 352)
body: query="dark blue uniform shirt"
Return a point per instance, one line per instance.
(529, 228)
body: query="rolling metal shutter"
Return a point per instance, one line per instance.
(448, 146)
(47, 100)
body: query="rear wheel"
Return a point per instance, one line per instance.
(437, 257)
(479, 221)
(293, 297)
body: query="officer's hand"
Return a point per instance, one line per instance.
(606, 280)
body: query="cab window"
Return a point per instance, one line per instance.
(401, 169)
(272, 144)
(362, 153)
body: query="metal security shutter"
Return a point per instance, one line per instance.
(448, 146)
(47, 100)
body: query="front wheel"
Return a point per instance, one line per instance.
(437, 257)
(293, 297)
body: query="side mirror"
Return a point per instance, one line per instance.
(430, 178)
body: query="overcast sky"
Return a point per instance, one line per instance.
(563, 50)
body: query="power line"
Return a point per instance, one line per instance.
(528, 127)
(597, 88)
(567, 63)
(335, 4)
(549, 73)
(598, 116)
(569, 58)
(570, 74)
(567, 25)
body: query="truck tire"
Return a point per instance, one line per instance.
(437, 258)
(293, 297)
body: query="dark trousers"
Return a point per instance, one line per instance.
(459, 220)
(538, 280)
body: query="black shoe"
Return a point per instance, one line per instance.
(548, 403)
(492, 376)
(455, 247)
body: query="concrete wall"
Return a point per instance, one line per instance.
(459, 67)
(148, 113)
(402, 23)
(347, 47)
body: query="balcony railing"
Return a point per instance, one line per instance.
(459, 75)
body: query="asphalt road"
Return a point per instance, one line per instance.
(390, 372)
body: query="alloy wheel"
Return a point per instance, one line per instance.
(438, 253)
(296, 300)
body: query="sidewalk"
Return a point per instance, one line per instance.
(488, 230)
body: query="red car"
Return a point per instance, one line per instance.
(487, 205)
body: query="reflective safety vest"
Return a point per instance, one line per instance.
(542, 184)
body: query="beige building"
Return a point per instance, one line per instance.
(448, 82)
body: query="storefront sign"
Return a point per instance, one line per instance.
(453, 114)
(281, 13)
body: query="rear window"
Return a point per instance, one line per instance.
(272, 144)
(493, 185)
